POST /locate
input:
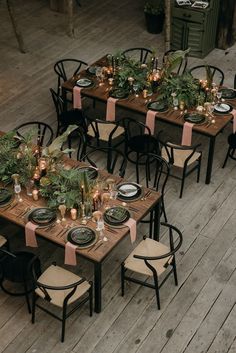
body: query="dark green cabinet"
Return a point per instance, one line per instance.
(194, 28)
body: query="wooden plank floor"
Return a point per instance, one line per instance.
(199, 315)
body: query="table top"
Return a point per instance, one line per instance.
(138, 104)
(57, 234)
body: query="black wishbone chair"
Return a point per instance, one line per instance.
(153, 259)
(141, 54)
(199, 72)
(180, 69)
(43, 135)
(61, 288)
(231, 149)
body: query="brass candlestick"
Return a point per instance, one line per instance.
(83, 221)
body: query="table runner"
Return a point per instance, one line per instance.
(77, 102)
(150, 121)
(70, 254)
(187, 134)
(111, 109)
(30, 237)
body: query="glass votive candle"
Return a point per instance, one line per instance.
(73, 214)
(110, 81)
(35, 194)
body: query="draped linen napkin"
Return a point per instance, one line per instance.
(77, 102)
(70, 254)
(187, 134)
(150, 121)
(234, 121)
(132, 224)
(30, 238)
(111, 109)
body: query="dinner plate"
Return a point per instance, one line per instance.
(116, 216)
(91, 171)
(129, 191)
(157, 106)
(222, 108)
(119, 93)
(228, 93)
(84, 82)
(195, 118)
(42, 216)
(92, 70)
(5, 196)
(82, 236)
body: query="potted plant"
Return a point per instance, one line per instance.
(155, 14)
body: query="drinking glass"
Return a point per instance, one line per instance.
(135, 88)
(218, 95)
(88, 209)
(17, 189)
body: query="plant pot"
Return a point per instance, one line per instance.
(154, 22)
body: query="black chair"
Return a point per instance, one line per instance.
(199, 72)
(102, 133)
(183, 62)
(138, 142)
(114, 162)
(141, 54)
(67, 68)
(231, 149)
(4, 243)
(69, 117)
(43, 135)
(15, 267)
(157, 172)
(152, 258)
(62, 289)
(186, 158)
(77, 141)
(235, 81)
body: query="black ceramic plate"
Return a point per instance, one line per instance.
(91, 171)
(119, 93)
(5, 196)
(42, 216)
(129, 191)
(84, 82)
(157, 106)
(228, 93)
(116, 215)
(195, 118)
(81, 236)
(222, 108)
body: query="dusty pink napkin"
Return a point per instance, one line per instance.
(111, 109)
(77, 103)
(187, 134)
(30, 238)
(70, 254)
(150, 121)
(132, 224)
(234, 121)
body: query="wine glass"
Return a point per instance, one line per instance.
(100, 75)
(100, 228)
(17, 189)
(135, 88)
(218, 95)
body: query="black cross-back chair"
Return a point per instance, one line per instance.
(77, 141)
(43, 132)
(180, 69)
(199, 72)
(115, 160)
(152, 259)
(231, 149)
(141, 54)
(67, 68)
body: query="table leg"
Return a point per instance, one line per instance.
(210, 159)
(63, 93)
(97, 287)
(157, 219)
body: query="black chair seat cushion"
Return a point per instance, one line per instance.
(232, 141)
(143, 144)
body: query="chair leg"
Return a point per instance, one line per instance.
(137, 168)
(175, 271)
(226, 157)
(63, 324)
(122, 279)
(163, 209)
(91, 300)
(157, 291)
(199, 169)
(27, 297)
(182, 183)
(33, 307)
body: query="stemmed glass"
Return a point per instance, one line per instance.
(100, 228)
(62, 208)
(135, 88)
(17, 187)
(218, 95)
(100, 75)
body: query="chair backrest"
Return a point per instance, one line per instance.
(103, 131)
(175, 241)
(133, 127)
(180, 69)
(173, 150)
(140, 54)
(235, 81)
(42, 132)
(114, 162)
(67, 68)
(157, 171)
(58, 102)
(77, 140)
(200, 73)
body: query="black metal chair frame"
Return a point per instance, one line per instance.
(156, 285)
(112, 156)
(65, 314)
(13, 268)
(214, 69)
(80, 134)
(127, 123)
(182, 65)
(143, 56)
(185, 171)
(61, 72)
(231, 149)
(59, 107)
(42, 128)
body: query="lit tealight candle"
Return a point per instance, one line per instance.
(35, 194)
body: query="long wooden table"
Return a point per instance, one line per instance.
(97, 254)
(139, 106)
